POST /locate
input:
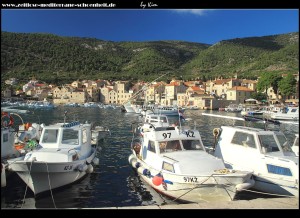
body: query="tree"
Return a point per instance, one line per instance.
(268, 80)
(287, 86)
(258, 96)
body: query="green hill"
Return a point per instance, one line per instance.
(58, 59)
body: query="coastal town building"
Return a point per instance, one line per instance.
(212, 94)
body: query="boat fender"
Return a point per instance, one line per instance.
(168, 182)
(131, 158)
(3, 176)
(245, 185)
(146, 172)
(90, 168)
(157, 180)
(216, 132)
(96, 160)
(82, 167)
(137, 165)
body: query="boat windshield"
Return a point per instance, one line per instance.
(192, 145)
(284, 143)
(175, 145)
(70, 136)
(50, 136)
(296, 142)
(268, 143)
(169, 146)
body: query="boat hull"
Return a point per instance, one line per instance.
(270, 186)
(187, 188)
(42, 176)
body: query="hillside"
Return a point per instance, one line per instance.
(63, 59)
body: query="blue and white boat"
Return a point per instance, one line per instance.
(266, 152)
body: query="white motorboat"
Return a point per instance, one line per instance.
(164, 110)
(63, 156)
(267, 153)
(153, 121)
(251, 111)
(99, 133)
(288, 113)
(174, 162)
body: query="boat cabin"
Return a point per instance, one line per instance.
(67, 136)
(164, 142)
(246, 147)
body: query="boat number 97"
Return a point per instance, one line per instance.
(190, 179)
(166, 135)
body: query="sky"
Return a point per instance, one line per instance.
(196, 25)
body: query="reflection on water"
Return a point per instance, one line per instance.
(113, 183)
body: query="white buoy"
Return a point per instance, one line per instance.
(82, 167)
(96, 161)
(90, 168)
(3, 176)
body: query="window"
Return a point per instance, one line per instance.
(168, 167)
(5, 137)
(279, 170)
(243, 139)
(50, 136)
(173, 145)
(70, 136)
(268, 143)
(191, 145)
(151, 146)
(84, 136)
(284, 143)
(162, 147)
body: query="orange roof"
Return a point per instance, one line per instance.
(197, 88)
(221, 81)
(240, 88)
(189, 83)
(173, 84)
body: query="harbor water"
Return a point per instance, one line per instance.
(113, 183)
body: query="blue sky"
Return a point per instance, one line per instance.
(203, 26)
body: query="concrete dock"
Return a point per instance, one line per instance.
(259, 203)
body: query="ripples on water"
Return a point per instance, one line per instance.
(113, 183)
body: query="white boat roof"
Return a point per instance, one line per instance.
(196, 162)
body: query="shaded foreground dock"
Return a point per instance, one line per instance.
(259, 203)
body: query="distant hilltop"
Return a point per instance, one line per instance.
(53, 58)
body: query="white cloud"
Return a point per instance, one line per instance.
(199, 12)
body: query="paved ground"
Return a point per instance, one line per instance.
(259, 203)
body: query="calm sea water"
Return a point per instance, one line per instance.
(113, 183)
